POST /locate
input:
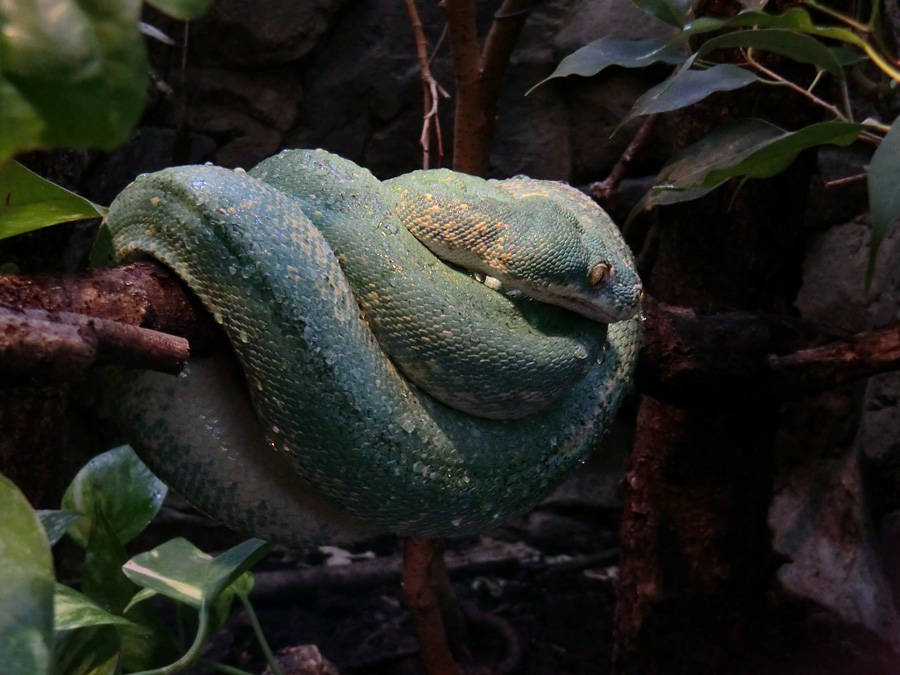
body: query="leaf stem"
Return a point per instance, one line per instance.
(779, 80)
(222, 668)
(845, 100)
(260, 637)
(834, 14)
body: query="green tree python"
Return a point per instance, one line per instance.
(378, 387)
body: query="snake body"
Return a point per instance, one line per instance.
(340, 431)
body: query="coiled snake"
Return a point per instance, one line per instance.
(517, 390)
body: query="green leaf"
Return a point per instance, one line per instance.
(795, 19)
(74, 610)
(682, 179)
(846, 57)
(176, 569)
(750, 148)
(139, 597)
(884, 192)
(688, 86)
(93, 650)
(102, 579)
(56, 523)
(184, 10)
(226, 568)
(29, 202)
(613, 50)
(74, 74)
(673, 12)
(105, 583)
(21, 126)
(181, 571)
(26, 586)
(798, 46)
(775, 155)
(129, 494)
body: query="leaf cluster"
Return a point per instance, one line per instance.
(755, 148)
(73, 74)
(106, 627)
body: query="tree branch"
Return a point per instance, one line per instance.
(691, 360)
(54, 327)
(434, 652)
(479, 75)
(431, 89)
(143, 294)
(35, 344)
(604, 191)
(687, 359)
(498, 47)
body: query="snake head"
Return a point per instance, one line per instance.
(585, 270)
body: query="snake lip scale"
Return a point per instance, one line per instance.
(317, 432)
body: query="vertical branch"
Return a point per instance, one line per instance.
(471, 134)
(478, 76)
(418, 573)
(498, 47)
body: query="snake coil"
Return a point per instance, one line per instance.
(337, 434)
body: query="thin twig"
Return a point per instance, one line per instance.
(432, 91)
(779, 80)
(604, 191)
(846, 180)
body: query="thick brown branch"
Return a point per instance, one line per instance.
(808, 371)
(56, 326)
(46, 345)
(471, 136)
(144, 294)
(498, 46)
(687, 360)
(693, 360)
(478, 77)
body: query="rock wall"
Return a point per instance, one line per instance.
(342, 74)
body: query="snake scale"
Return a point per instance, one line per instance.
(306, 263)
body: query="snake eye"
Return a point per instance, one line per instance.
(598, 274)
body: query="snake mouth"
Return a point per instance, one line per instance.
(586, 307)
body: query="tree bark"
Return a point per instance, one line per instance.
(696, 556)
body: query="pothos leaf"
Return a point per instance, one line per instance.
(119, 483)
(26, 586)
(29, 202)
(73, 74)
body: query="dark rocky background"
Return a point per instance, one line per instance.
(258, 77)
